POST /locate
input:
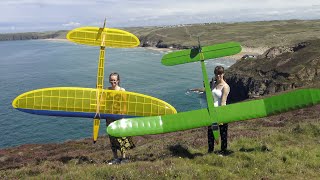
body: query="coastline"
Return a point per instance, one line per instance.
(166, 50)
(249, 51)
(245, 50)
(56, 39)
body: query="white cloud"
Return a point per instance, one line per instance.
(43, 2)
(120, 13)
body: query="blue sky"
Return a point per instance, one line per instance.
(45, 15)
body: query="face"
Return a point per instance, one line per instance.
(114, 80)
(219, 76)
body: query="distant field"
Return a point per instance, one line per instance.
(250, 34)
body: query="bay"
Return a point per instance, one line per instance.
(34, 64)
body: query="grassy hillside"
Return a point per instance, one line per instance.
(285, 146)
(250, 34)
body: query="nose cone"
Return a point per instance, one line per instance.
(123, 128)
(113, 129)
(109, 130)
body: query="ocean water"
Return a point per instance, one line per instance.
(34, 64)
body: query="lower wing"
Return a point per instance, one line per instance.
(223, 114)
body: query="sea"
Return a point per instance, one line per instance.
(34, 64)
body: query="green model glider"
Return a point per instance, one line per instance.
(223, 114)
(200, 53)
(213, 115)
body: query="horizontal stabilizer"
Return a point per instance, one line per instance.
(209, 52)
(93, 36)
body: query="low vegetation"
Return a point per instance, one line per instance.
(249, 34)
(285, 146)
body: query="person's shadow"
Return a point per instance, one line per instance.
(180, 151)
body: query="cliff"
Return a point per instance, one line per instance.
(278, 69)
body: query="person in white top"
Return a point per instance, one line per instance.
(220, 90)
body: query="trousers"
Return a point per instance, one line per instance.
(224, 138)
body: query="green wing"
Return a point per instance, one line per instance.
(193, 55)
(223, 114)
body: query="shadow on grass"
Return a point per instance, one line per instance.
(180, 151)
(79, 159)
(263, 148)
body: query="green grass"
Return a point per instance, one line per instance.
(250, 34)
(288, 152)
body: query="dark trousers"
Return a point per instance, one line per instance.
(224, 138)
(111, 138)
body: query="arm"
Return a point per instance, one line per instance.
(225, 93)
(124, 102)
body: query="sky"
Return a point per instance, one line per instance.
(47, 15)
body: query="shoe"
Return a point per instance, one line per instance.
(224, 152)
(124, 161)
(115, 161)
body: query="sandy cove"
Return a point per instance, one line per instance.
(245, 50)
(249, 51)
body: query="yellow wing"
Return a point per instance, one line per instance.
(82, 102)
(93, 36)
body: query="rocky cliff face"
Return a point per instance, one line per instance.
(157, 41)
(278, 69)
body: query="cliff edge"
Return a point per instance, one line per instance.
(278, 69)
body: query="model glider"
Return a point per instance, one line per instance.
(96, 102)
(212, 115)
